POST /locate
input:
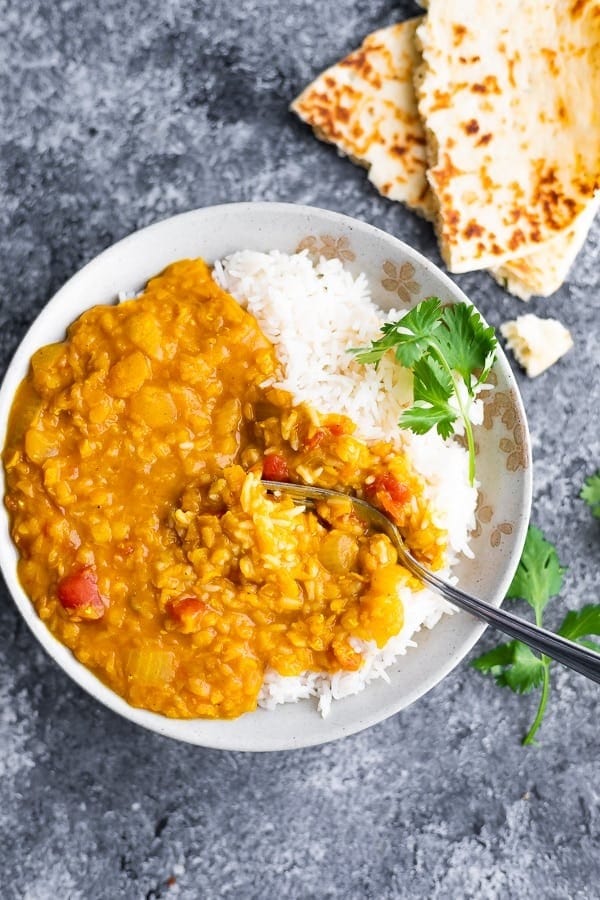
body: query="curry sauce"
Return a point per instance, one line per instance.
(147, 542)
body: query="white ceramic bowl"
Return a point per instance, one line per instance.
(398, 276)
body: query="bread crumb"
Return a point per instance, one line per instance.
(536, 343)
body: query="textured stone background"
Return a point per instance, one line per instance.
(117, 114)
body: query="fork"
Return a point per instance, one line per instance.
(570, 654)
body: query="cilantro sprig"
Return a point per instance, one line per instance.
(450, 351)
(590, 492)
(538, 579)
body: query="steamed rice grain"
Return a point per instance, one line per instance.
(313, 313)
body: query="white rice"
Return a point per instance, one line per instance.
(313, 314)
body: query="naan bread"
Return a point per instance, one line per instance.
(542, 272)
(510, 93)
(366, 106)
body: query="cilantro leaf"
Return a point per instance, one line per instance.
(469, 345)
(421, 419)
(512, 665)
(539, 575)
(370, 354)
(409, 336)
(414, 332)
(591, 645)
(432, 388)
(590, 492)
(579, 623)
(442, 346)
(432, 382)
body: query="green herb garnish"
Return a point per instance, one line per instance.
(538, 578)
(450, 351)
(590, 492)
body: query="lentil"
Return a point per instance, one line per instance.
(147, 541)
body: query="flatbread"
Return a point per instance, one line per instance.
(541, 273)
(510, 93)
(366, 106)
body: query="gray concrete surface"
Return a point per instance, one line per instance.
(115, 115)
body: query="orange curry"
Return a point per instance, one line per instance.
(147, 541)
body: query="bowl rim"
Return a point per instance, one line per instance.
(62, 656)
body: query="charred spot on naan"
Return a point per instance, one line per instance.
(402, 143)
(511, 102)
(471, 127)
(459, 32)
(366, 106)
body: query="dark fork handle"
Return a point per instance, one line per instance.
(570, 654)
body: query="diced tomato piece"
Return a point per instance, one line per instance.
(389, 494)
(275, 468)
(79, 595)
(336, 429)
(187, 612)
(398, 491)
